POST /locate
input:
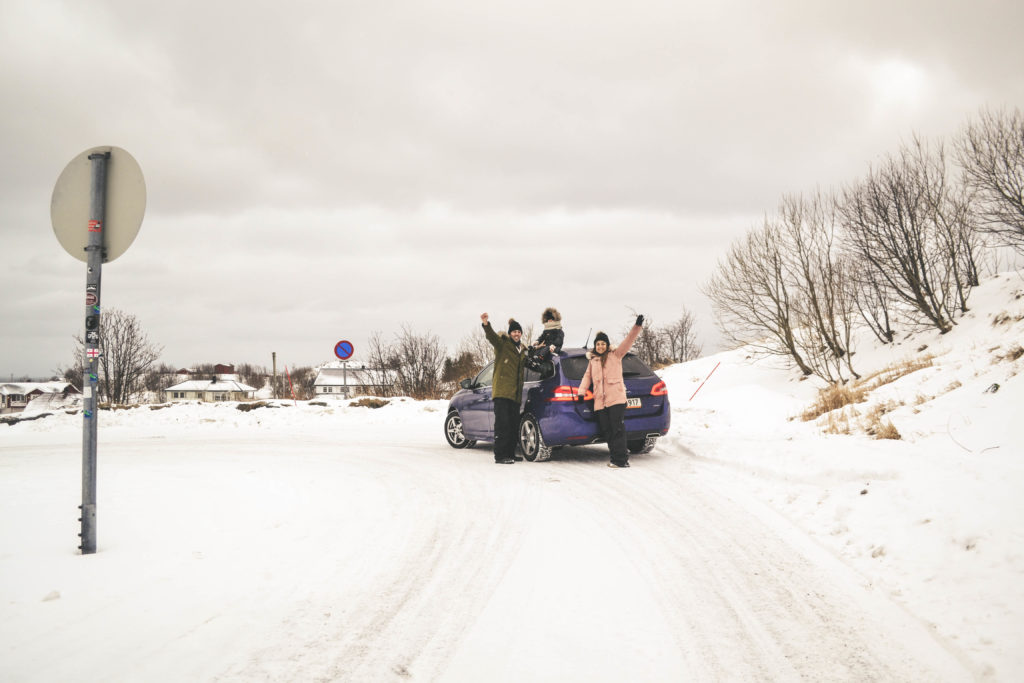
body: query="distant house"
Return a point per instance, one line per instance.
(339, 381)
(15, 396)
(223, 386)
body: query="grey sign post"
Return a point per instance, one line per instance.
(96, 211)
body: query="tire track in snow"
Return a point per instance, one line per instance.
(743, 601)
(423, 574)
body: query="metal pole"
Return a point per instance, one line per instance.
(90, 382)
(273, 382)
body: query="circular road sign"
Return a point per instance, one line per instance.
(343, 349)
(125, 203)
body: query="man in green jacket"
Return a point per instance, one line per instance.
(507, 386)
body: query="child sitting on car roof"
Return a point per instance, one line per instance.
(549, 342)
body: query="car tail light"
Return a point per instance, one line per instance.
(563, 393)
(566, 392)
(659, 389)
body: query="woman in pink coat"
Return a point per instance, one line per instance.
(604, 373)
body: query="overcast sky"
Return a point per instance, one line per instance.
(318, 171)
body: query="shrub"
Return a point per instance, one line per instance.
(246, 407)
(838, 423)
(886, 430)
(370, 403)
(834, 397)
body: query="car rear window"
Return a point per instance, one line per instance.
(575, 367)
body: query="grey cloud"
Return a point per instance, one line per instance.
(316, 169)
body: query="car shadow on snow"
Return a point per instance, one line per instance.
(596, 453)
(583, 454)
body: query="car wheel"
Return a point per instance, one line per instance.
(531, 441)
(453, 431)
(641, 446)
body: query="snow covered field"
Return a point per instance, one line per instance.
(307, 542)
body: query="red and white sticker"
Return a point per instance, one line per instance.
(92, 353)
(90, 299)
(95, 226)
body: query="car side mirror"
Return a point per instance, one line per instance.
(466, 383)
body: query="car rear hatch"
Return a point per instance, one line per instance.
(645, 392)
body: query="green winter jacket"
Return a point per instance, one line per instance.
(508, 365)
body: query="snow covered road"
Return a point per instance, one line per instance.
(243, 551)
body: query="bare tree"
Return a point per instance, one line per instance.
(462, 366)
(955, 228)
(126, 354)
(818, 273)
(472, 354)
(871, 299)
(417, 361)
(681, 339)
(411, 365)
(304, 379)
(253, 375)
(204, 370)
(752, 297)
(889, 224)
(159, 377)
(379, 364)
(650, 344)
(476, 345)
(73, 373)
(659, 346)
(991, 153)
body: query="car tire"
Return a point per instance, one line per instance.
(531, 440)
(639, 446)
(453, 432)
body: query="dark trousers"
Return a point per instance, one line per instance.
(506, 428)
(613, 428)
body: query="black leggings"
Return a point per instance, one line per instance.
(613, 428)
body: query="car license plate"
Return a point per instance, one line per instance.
(632, 403)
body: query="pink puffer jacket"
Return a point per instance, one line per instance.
(606, 377)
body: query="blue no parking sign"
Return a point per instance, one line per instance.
(343, 349)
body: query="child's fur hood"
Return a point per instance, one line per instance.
(553, 312)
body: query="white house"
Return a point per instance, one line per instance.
(219, 388)
(341, 381)
(15, 396)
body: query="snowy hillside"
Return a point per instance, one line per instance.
(336, 542)
(934, 520)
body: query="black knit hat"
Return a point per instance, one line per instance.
(601, 336)
(513, 326)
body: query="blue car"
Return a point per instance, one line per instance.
(551, 417)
